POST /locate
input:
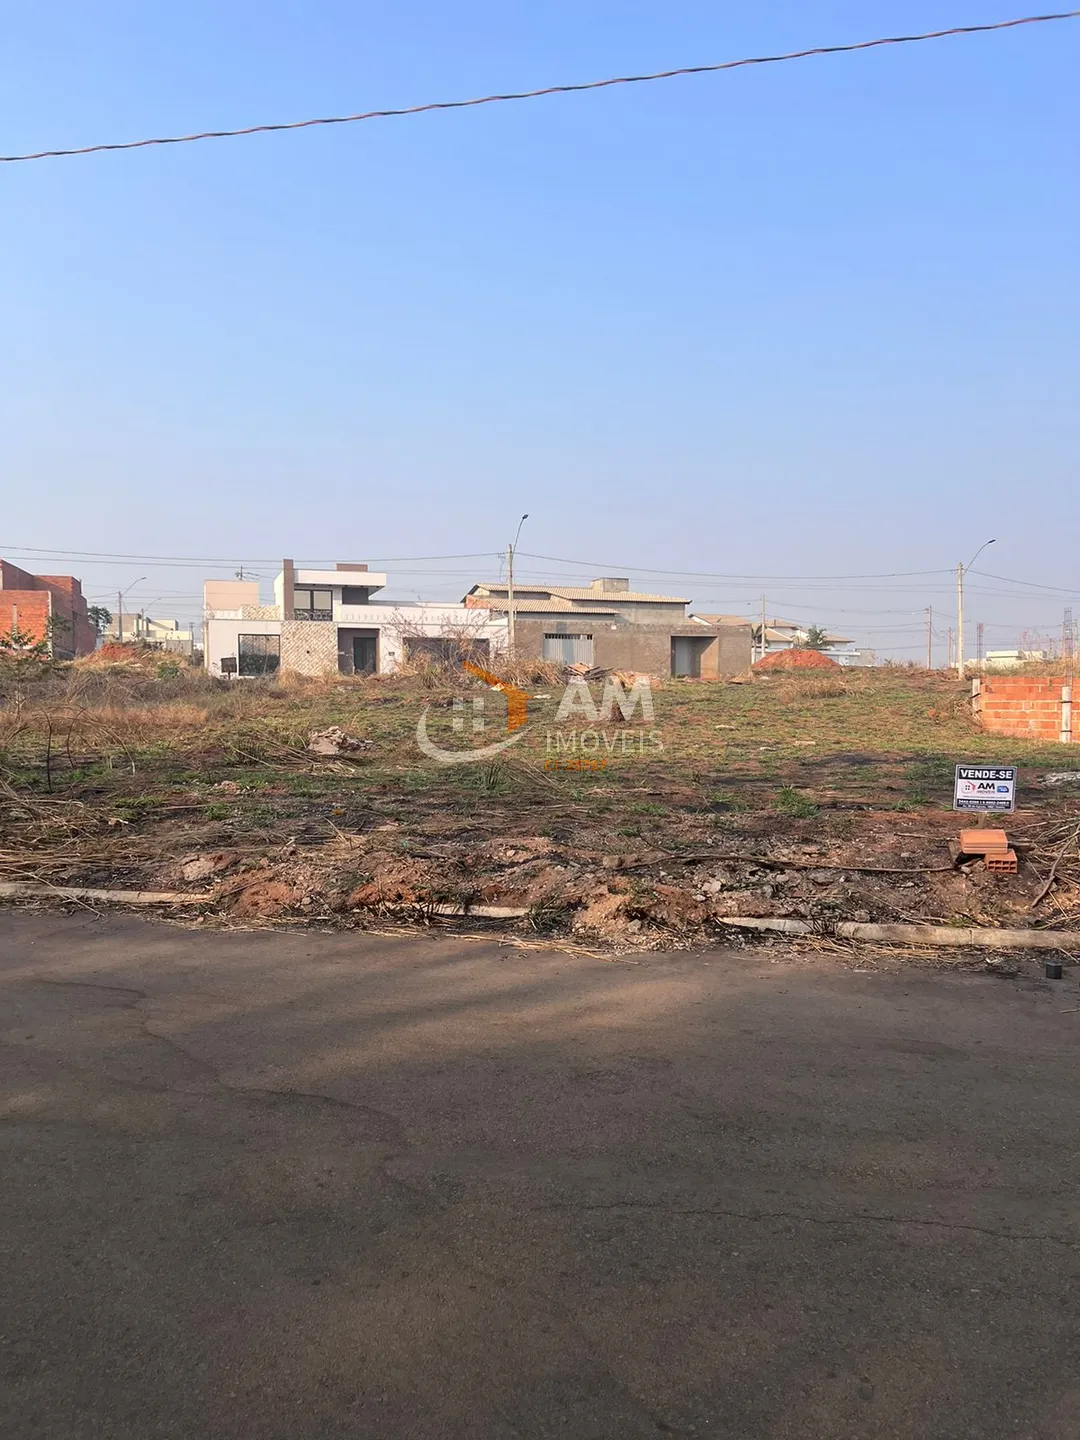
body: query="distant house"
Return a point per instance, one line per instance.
(787, 634)
(330, 621)
(149, 630)
(608, 625)
(48, 608)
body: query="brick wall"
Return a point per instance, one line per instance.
(74, 635)
(36, 598)
(1025, 705)
(26, 611)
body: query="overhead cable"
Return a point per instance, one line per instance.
(569, 89)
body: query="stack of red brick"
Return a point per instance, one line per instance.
(45, 607)
(1029, 705)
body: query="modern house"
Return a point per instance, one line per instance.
(609, 625)
(50, 608)
(788, 634)
(330, 621)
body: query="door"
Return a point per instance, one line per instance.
(569, 649)
(365, 655)
(686, 656)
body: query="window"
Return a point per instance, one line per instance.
(258, 654)
(354, 594)
(569, 649)
(309, 604)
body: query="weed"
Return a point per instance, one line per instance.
(790, 801)
(929, 779)
(546, 916)
(721, 802)
(136, 805)
(217, 812)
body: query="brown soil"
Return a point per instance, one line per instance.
(797, 660)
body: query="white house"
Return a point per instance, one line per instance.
(788, 634)
(327, 621)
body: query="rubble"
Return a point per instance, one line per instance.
(333, 742)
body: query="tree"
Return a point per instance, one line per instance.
(814, 637)
(99, 618)
(23, 659)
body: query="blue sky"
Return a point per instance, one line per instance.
(814, 319)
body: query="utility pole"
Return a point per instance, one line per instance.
(929, 637)
(979, 646)
(949, 652)
(120, 606)
(960, 570)
(511, 636)
(762, 655)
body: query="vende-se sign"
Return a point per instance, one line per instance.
(990, 788)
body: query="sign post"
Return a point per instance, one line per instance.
(987, 789)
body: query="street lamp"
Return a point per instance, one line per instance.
(510, 636)
(961, 570)
(120, 607)
(144, 617)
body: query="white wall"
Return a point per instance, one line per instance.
(392, 621)
(334, 579)
(221, 637)
(426, 618)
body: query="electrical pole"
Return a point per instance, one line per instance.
(511, 636)
(960, 569)
(762, 655)
(929, 637)
(979, 646)
(120, 606)
(949, 652)
(1068, 644)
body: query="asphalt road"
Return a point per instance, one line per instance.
(291, 1185)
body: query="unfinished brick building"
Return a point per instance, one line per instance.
(45, 607)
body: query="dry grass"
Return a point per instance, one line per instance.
(794, 689)
(108, 776)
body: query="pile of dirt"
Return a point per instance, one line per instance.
(797, 660)
(135, 655)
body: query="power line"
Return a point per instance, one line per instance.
(1030, 584)
(41, 554)
(548, 89)
(713, 575)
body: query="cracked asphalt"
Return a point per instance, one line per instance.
(274, 1184)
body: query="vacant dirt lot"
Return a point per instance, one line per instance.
(815, 796)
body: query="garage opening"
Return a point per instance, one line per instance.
(358, 652)
(686, 653)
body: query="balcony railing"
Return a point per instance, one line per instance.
(313, 614)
